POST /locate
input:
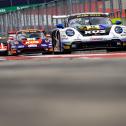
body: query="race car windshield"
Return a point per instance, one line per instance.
(33, 35)
(30, 35)
(76, 22)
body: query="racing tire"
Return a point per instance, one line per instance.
(67, 51)
(113, 50)
(47, 53)
(9, 53)
(108, 50)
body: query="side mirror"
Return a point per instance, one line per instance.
(60, 26)
(118, 22)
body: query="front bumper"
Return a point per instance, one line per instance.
(34, 48)
(79, 45)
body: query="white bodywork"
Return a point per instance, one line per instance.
(78, 37)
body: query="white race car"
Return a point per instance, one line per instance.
(85, 31)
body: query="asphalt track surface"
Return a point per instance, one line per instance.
(63, 91)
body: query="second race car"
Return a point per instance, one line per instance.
(31, 40)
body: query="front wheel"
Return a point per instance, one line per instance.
(67, 51)
(47, 52)
(12, 53)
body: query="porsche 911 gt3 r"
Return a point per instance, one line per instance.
(88, 31)
(32, 40)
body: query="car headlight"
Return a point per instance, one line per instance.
(70, 32)
(118, 29)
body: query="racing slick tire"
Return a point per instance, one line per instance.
(67, 51)
(9, 53)
(46, 53)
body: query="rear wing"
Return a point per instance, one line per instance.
(60, 17)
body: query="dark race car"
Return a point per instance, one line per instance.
(31, 41)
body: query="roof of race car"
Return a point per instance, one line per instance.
(79, 15)
(89, 14)
(82, 14)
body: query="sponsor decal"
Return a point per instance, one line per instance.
(123, 35)
(95, 32)
(115, 37)
(98, 39)
(43, 45)
(13, 47)
(31, 39)
(32, 45)
(32, 42)
(21, 46)
(2, 10)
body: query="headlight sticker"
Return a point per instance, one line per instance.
(70, 32)
(118, 29)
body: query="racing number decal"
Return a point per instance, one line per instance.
(95, 32)
(83, 28)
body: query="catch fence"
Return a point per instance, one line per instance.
(40, 15)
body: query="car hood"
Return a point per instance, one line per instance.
(89, 30)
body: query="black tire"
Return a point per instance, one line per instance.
(108, 50)
(113, 50)
(47, 53)
(11, 54)
(67, 51)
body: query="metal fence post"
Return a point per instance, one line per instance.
(103, 7)
(84, 5)
(70, 7)
(96, 5)
(46, 9)
(38, 17)
(120, 7)
(112, 8)
(89, 5)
